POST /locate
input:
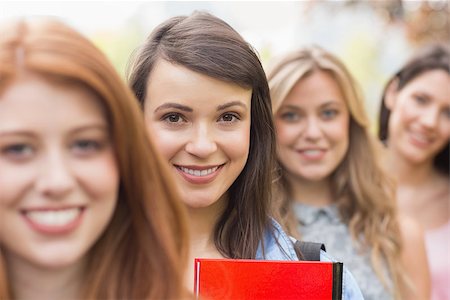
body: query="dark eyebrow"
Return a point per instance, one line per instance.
(229, 104)
(174, 105)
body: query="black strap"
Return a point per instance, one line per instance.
(308, 250)
(338, 275)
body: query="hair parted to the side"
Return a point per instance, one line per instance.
(429, 58)
(145, 243)
(206, 44)
(364, 195)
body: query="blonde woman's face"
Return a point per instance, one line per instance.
(58, 174)
(312, 128)
(419, 125)
(202, 127)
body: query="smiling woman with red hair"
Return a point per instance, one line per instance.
(87, 207)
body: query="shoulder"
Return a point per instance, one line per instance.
(277, 244)
(350, 289)
(411, 231)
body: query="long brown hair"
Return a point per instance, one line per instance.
(364, 195)
(431, 57)
(206, 44)
(145, 243)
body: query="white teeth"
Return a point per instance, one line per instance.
(420, 137)
(54, 217)
(312, 152)
(199, 173)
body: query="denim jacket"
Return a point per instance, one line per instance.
(284, 250)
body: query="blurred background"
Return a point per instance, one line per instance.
(373, 38)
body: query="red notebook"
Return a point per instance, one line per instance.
(218, 279)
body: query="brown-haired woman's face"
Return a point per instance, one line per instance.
(58, 173)
(202, 127)
(419, 125)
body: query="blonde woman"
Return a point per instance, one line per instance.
(331, 188)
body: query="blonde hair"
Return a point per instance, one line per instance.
(364, 195)
(146, 242)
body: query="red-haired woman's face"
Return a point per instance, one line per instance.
(419, 125)
(58, 173)
(202, 127)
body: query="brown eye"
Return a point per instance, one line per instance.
(421, 100)
(228, 117)
(173, 118)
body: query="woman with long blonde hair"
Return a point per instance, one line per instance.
(87, 208)
(331, 187)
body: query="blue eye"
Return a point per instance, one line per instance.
(290, 116)
(329, 114)
(86, 146)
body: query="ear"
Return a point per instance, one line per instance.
(391, 94)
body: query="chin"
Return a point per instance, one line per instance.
(316, 176)
(200, 201)
(56, 262)
(198, 204)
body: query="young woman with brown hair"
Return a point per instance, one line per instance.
(206, 102)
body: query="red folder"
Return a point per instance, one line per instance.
(218, 279)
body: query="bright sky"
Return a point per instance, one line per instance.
(84, 15)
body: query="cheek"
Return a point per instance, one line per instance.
(99, 177)
(168, 143)
(286, 135)
(15, 180)
(445, 129)
(236, 143)
(403, 112)
(338, 131)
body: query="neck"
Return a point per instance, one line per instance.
(32, 282)
(202, 222)
(201, 226)
(315, 193)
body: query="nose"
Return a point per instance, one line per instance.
(312, 129)
(56, 179)
(202, 143)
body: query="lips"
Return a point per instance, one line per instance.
(312, 154)
(53, 221)
(199, 174)
(420, 140)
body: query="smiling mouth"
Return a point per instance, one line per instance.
(199, 175)
(54, 221)
(198, 172)
(420, 139)
(53, 217)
